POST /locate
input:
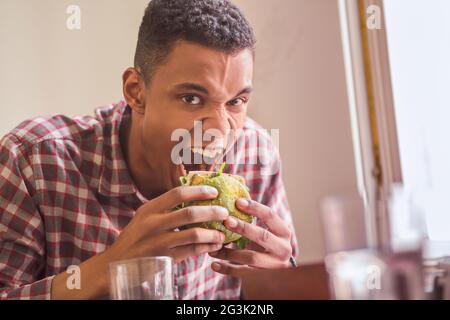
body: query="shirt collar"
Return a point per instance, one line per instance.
(115, 179)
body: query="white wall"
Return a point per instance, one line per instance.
(300, 82)
(46, 68)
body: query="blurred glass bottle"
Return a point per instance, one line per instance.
(405, 253)
(357, 271)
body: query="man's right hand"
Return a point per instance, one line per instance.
(152, 232)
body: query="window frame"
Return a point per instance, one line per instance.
(371, 104)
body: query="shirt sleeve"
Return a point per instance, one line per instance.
(22, 236)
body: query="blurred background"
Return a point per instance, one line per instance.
(299, 79)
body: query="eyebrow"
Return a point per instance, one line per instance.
(199, 88)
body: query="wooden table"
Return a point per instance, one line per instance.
(308, 282)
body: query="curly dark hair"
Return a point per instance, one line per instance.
(218, 24)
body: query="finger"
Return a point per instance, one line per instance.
(260, 236)
(250, 246)
(231, 270)
(194, 236)
(183, 252)
(250, 258)
(255, 247)
(176, 196)
(194, 214)
(266, 214)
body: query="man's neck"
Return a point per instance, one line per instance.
(145, 177)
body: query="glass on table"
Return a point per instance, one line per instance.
(142, 279)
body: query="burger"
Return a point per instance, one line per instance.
(230, 188)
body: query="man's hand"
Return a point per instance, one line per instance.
(151, 232)
(269, 248)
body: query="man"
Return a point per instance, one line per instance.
(87, 191)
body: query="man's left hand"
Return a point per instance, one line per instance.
(268, 249)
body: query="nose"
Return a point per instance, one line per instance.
(217, 125)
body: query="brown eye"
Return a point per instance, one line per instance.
(237, 102)
(191, 99)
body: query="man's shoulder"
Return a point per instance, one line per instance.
(257, 156)
(259, 141)
(60, 127)
(251, 124)
(253, 130)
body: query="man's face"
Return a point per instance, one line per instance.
(195, 83)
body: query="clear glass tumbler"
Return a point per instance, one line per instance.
(142, 279)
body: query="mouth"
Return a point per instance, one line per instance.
(202, 159)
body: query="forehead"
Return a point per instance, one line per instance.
(220, 72)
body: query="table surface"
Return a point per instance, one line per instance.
(309, 282)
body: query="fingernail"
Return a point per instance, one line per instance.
(232, 222)
(209, 190)
(243, 202)
(221, 210)
(215, 266)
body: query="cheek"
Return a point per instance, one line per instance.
(154, 132)
(237, 120)
(158, 131)
(147, 132)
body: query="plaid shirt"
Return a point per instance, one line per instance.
(66, 194)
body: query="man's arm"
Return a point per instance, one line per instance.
(22, 239)
(93, 281)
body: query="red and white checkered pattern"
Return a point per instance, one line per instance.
(66, 194)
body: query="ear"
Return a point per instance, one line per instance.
(134, 90)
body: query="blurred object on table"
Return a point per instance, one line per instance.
(308, 282)
(357, 271)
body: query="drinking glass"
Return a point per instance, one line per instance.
(142, 279)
